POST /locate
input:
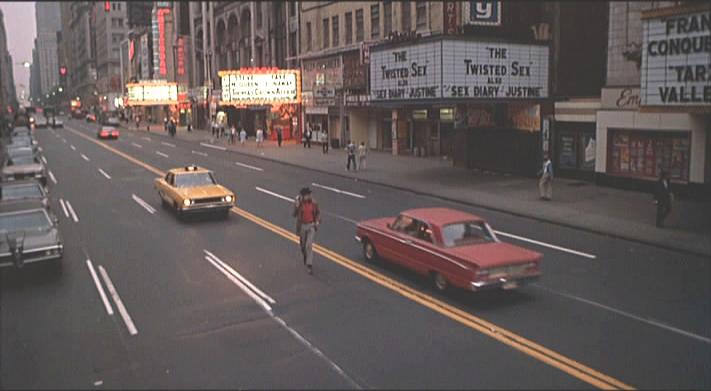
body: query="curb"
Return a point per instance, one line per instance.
(469, 203)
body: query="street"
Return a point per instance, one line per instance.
(147, 300)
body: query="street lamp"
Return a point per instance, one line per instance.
(60, 89)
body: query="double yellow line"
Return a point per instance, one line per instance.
(502, 335)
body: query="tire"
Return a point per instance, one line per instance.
(439, 281)
(369, 252)
(163, 202)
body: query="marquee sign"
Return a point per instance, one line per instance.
(260, 86)
(676, 59)
(460, 69)
(149, 93)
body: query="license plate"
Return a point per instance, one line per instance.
(510, 285)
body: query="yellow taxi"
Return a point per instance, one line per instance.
(193, 189)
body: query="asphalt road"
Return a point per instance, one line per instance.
(607, 313)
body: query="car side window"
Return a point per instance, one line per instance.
(403, 224)
(169, 179)
(424, 232)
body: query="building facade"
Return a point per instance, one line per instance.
(79, 51)
(48, 19)
(656, 104)
(8, 99)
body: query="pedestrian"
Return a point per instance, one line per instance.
(307, 137)
(231, 134)
(308, 218)
(260, 137)
(279, 136)
(324, 146)
(545, 183)
(172, 127)
(362, 152)
(242, 136)
(138, 121)
(351, 149)
(148, 125)
(663, 197)
(213, 128)
(166, 123)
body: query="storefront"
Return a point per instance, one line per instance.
(270, 97)
(153, 99)
(322, 82)
(667, 126)
(474, 101)
(573, 142)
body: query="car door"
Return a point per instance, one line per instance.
(405, 243)
(165, 186)
(390, 242)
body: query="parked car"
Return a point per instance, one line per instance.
(23, 167)
(29, 233)
(453, 248)
(193, 189)
(23, 140)
(13, 150)
(24, 190)
(108, 132)
(77, 114)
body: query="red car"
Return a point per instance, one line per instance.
(90, 118)
(453, 248)
(108, 132)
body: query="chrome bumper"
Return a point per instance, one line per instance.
(32, 257)
(504, 282)
(206, 207)
(358, 238)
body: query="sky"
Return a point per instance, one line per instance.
(21, 32)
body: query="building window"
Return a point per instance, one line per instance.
(326, 33)
(292, 44)
(115, 53)
(642, 154)
(387, 18)
(292, 8)
(421, 14)
(116, 6)
(116, 38)
(259, 14)
(375, 21)
(405, 12)
(116, 22)
(360, 30)
(334, 30)
(349, 27)
(309, 37)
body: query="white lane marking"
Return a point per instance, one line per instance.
(567, 250)
(119, 304)
(248, 166)
(51, 176)
(240, 277)
(333, 189)
(73, 147)
(344, 218)
(98, 383)
(64, 208)
(105, 174)
(137, 145)
(44, 160)
(629, 315)
(271, 193)
(167, 144)
(200, 153)
(318, 352)
(94, 277)
(213, 146)
(71, 211)
(84, 157)
(144, 204)
(146, 138)
(161, 154)
(241, 286)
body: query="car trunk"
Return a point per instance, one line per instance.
(492, 254)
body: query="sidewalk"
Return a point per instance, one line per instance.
(620, 213)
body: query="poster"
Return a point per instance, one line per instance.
(567, 157)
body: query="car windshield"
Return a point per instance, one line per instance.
(19, 151)
(194, 179)
(107, 129)
(19, 192)
(24, 221)
(22, 160)
(470, 232)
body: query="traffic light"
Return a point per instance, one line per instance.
(107, 6)
(62, 71)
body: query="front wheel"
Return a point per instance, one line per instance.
(369, 252)
(440, 281)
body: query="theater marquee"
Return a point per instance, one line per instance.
(676, 59)
(260, 86)
(150, 93)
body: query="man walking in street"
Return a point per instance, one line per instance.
(260, 137)
(279, 136)
(351, 149)
(545, 184)
(307, 138)
(663, 197)
(242, 136)
(308, 218)
(233, 134)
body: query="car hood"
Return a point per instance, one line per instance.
(22, 169)
(204, 191)
(492, 254)
(33, 239)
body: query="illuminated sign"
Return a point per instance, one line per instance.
(152, 94)
(131, 50)
(159, 42)
(181, 56)
(258, 86)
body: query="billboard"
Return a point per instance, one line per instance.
(150, 93)
(260, 86)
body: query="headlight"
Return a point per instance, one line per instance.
(186, 202)
(228, 198)
(38, 175)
